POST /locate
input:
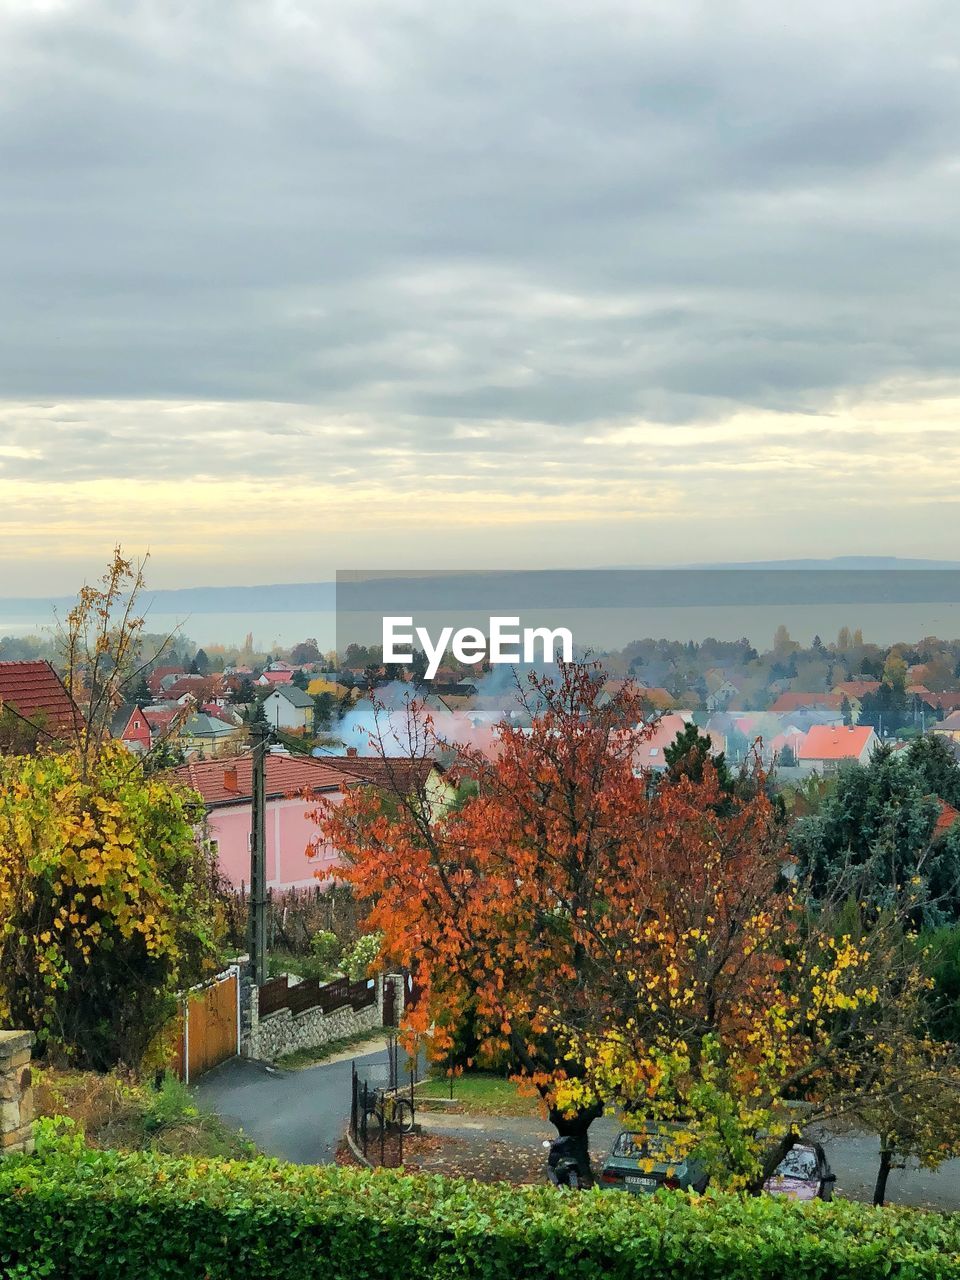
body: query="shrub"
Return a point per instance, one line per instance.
(364, 953)
(80, 1214)
(325, 947)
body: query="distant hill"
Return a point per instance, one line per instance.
(439, 591)
(297, 597)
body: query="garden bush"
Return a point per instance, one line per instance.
(81, 1214)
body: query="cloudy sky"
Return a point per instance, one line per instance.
(293, 285)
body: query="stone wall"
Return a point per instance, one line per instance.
(16, 1092)
(284, 1031)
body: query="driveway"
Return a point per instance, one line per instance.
(295, 1115)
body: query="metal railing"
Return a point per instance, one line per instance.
(382, 1114)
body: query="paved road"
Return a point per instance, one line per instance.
(296, 1115)
(301, 1116)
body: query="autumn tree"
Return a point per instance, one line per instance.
(102, 650)
(894, 1078)
(106, 903)
(614, 942)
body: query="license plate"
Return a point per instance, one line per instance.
(640, 1182)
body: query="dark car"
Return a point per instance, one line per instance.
(802, 1174)
(644, 1159)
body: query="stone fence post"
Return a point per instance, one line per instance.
(16, 1092)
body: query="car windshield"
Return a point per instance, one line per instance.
(655, 1145)
(799, 1162)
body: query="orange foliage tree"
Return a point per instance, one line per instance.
(615, 938)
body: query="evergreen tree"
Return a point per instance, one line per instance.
(875, 835)
(687, 754)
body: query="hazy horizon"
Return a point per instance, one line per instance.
(295, 285)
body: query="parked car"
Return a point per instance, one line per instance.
(802, 1174)
(645, 1159)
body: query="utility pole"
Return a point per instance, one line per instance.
(257, 927)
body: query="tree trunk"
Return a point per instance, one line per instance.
(886, 1163)
(771, 1160)
(577, 1128)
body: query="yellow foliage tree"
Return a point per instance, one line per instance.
(107, 905)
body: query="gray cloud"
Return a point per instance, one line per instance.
(555, 212)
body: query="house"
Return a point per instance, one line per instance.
(295, 785)
(271, 677)
(397, 775)
(856, 690)
(651, 753)
(201, 732)
(948, 701)
(787, 703)
(136, 733)
(948, 728)
(288, 707)
(190, 688)
(719, 696)
(32, 693)
(825, 747)
(157, 676)
(179, 724)
(948, 816)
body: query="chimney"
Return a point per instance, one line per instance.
(230, 780)
(352, 751)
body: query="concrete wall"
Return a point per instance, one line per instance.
(16, 1092)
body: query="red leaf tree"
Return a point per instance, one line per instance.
(612, 937)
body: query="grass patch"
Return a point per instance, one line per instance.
(482, 1092)
(301, 1058)
(118, 1111)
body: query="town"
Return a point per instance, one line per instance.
(812, 788)
(479, 641)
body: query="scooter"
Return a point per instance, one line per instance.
(563, 1168)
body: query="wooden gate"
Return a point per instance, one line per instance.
(209, 1030)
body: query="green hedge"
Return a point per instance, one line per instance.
(110, 1216)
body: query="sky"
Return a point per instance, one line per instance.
(288, 286)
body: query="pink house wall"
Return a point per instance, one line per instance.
(290, 832)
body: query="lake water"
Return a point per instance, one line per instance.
(600, 628)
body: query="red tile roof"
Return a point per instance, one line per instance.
(651, 750)
(793, 701)
(948, 816)
(856, 688)
(160, 719)
(156, 676)
(286, 776)
(276, 677)
(390, 773)
(189, 684)
(950, 723)
(36, 692)
(834, 742)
